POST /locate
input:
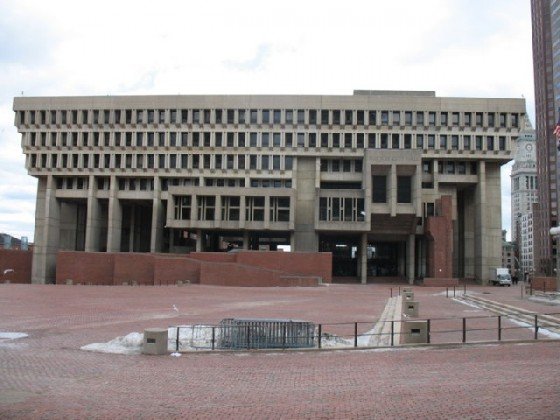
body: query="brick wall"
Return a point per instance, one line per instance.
(231, 269)
(18, 261)
(307, 263)
(170, 270)
(544, 283)
(439, 230)
(94, 268)
(134, 267)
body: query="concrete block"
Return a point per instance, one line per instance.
(155, 341)
(407, 289)
(414, 332)
(410, 308)
(69, 282)
(407, 296)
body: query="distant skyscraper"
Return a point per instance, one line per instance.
(546, 62)
(523, 195)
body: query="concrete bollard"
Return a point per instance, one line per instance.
(414, 332)
(407, 296)
(407, 289)
(69, 282)
(155, 341)
(410, 308)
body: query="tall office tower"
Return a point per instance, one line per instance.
(394, 184)
(524, 191)
(546, 56)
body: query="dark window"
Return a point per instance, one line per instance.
(324, 116)
(336, 117)
(419, 141)
(404, 189)
(502, 143)
(490, 143)
(384, 140)
(266, 116)
(336, 140)
(379, 189)
(396, 118)
(360, 117)
(372, 117)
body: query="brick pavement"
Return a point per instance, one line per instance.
(47, 376)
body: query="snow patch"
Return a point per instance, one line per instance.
(128, 344)
(175, 354)
(12, 335)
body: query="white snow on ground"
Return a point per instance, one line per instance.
(199, 337)
(543, 299)
(542, 330)
(8, 340)
(11, 335)
(128, 344)
(191, 337)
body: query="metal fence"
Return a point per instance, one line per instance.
(285, 334)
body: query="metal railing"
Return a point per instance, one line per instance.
(345, 335)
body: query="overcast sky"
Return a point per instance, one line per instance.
(472, 48)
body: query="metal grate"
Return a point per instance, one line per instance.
(265, 334)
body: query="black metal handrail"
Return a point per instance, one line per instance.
(321, 336)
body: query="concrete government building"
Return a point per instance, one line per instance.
(396, 184)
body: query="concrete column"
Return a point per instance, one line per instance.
(218, 210)
(480, 246)
(305, 207)
(410, 254)
(92, 218)
(47, 231)
(393, 190)
(115, 218)
(362, 267)
(266, 212)
(245, 240)
(242, 210)
(198, 240)
(158, 214)
(293, 242)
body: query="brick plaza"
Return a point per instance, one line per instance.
(46, 375)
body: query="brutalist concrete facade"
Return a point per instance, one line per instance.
(359, 176)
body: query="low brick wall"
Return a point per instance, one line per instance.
(170, 270)
(440, 282)
(263, 269)
(95, 268)
(18, 261)
(306, 263)
(133, 267)
(545, 284)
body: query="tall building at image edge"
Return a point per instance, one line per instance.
(524, 198)
(396, 184)
(546, 62)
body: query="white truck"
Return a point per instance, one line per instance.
(500, 276)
